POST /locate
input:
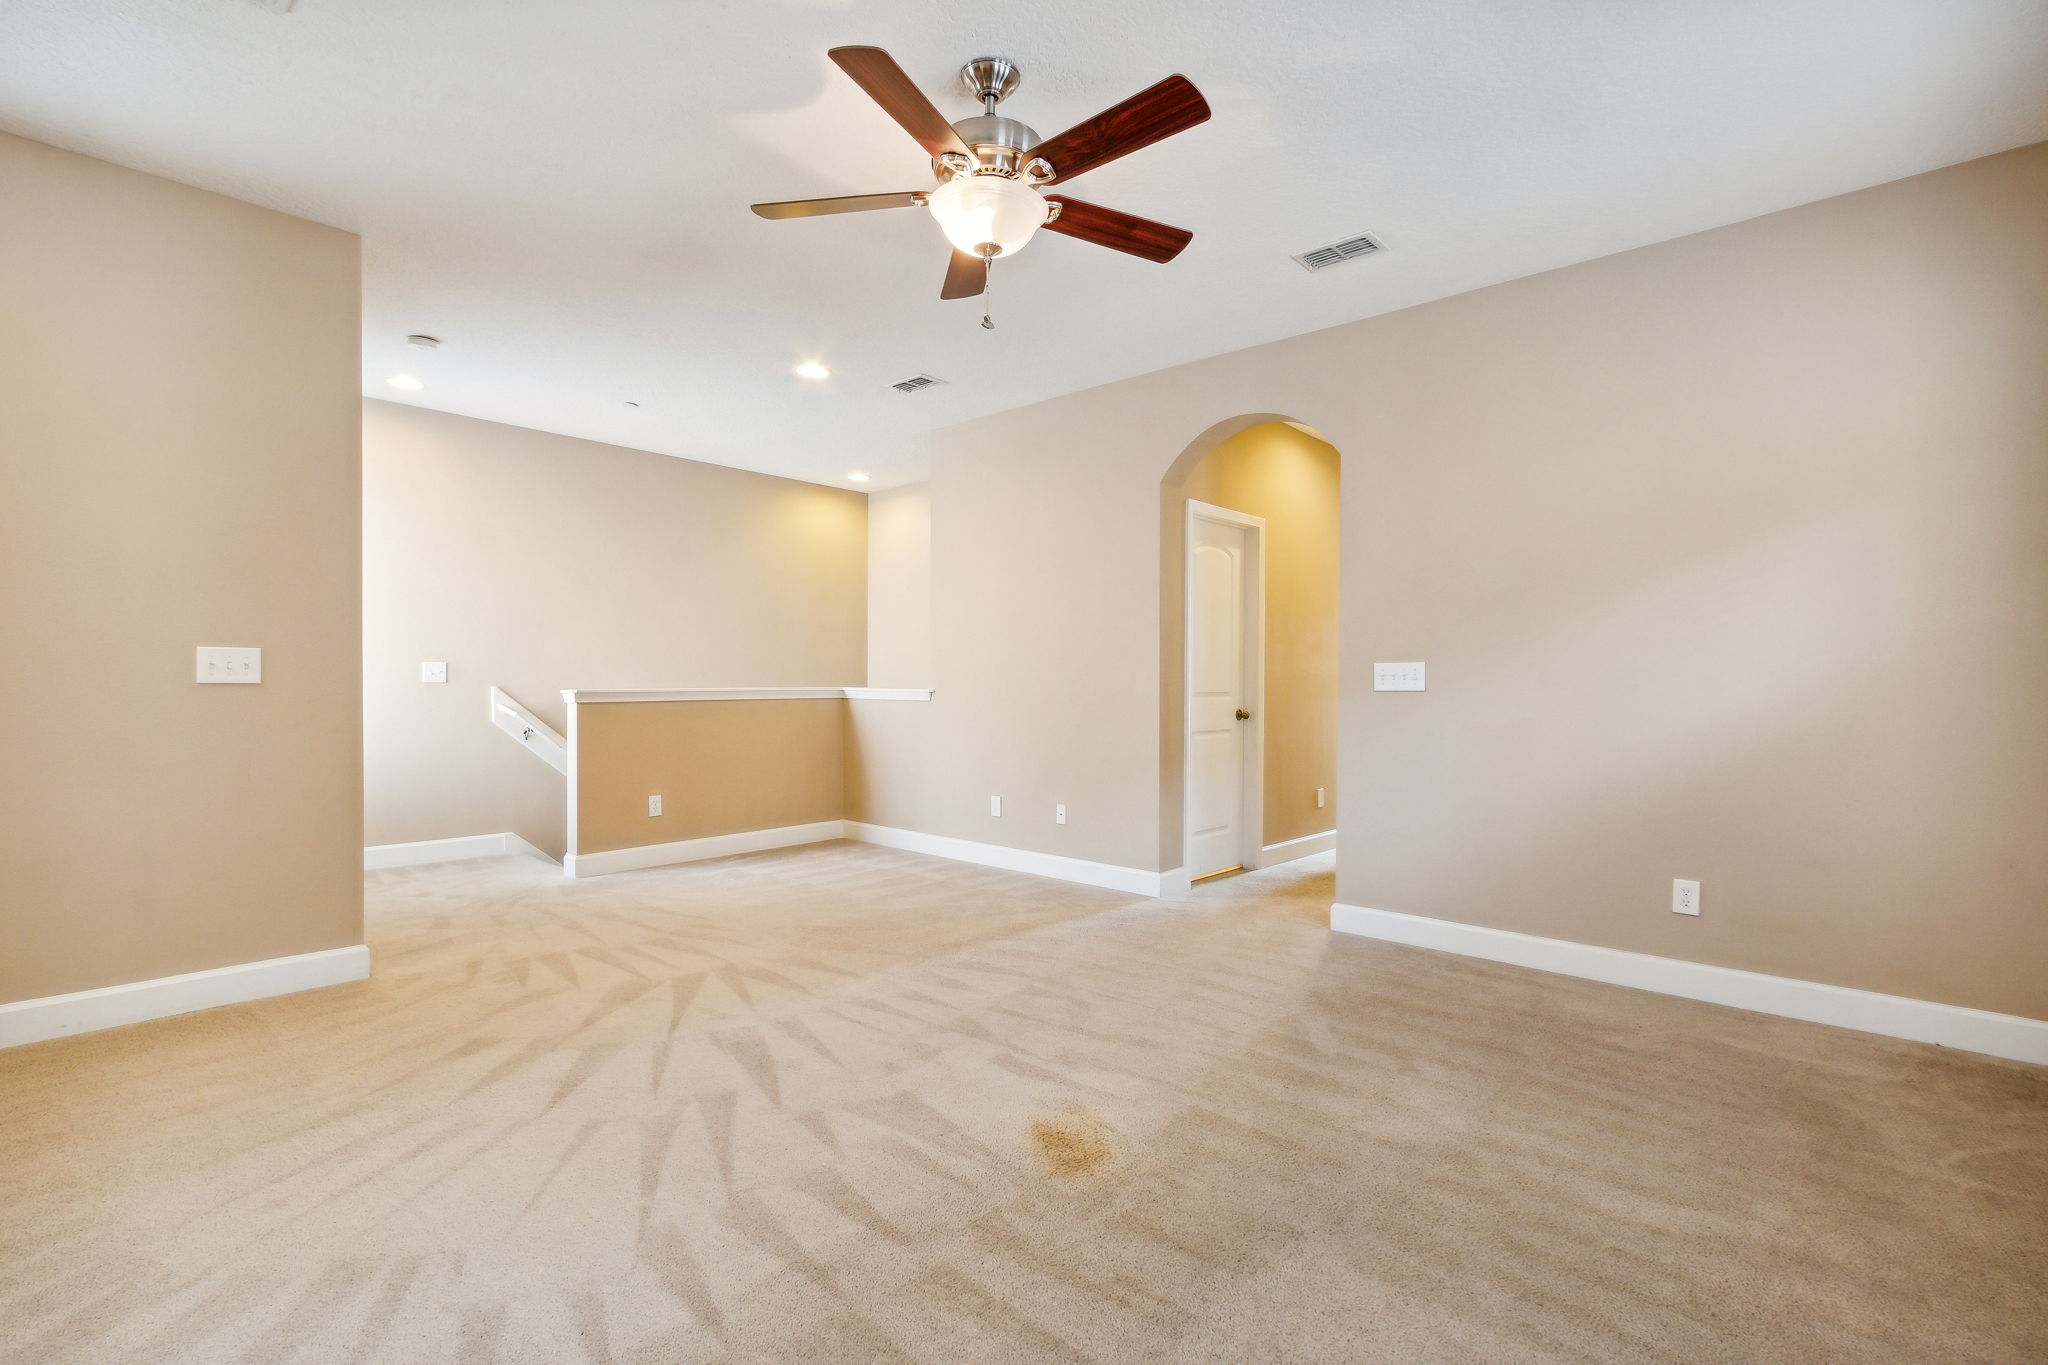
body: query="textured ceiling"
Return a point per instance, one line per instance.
(560, 189)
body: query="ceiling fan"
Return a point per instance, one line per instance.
(992, 170)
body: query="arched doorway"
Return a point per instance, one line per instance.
(1276, 481)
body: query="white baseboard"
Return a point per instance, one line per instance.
(696, 850)
(1108, 875)
(447, 850)
(58, 1016)
(1287, 850)
(1895, 1016)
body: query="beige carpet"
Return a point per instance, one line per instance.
(847, 1104)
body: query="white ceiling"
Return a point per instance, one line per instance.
(559, 187)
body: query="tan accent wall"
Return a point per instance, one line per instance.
(538, 563)
(720, 767)
(178, 466)
(1290, 480)
(900, 587)
(1728, 558)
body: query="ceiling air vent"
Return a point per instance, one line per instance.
(916, 383)
(1336, 253)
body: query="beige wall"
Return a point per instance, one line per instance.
(892, 767)
(178, 466)
(900, 587)
(1045, 652)
(1727, 557)
(720, 767)
(1289, 479)
(536, 563)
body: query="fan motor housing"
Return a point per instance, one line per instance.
(998, 144)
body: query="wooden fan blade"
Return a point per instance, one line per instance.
(1124, 232)
(966, 276)
(1160, 111)
(876, 72)
(846, 203)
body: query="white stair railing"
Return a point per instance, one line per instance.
(535, 735)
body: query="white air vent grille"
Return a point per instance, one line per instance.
(915, 383)
(1336, 253)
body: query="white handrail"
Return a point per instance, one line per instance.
(535, 735)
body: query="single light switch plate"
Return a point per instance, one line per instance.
(1685, 897)
(433, 673)
(1397, 677)
(653, 806)
(1059, 813)
(230, 664)
(995, 805)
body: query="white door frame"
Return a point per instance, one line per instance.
(1252, 783)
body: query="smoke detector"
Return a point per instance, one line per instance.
(420, 341)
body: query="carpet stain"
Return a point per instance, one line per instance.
(1075, 1143)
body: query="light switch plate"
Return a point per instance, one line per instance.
(434, 673)
(230, 664)
(1405, 677)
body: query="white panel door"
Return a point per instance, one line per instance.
(1218, 694)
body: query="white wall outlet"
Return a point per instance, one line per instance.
(230, 664)
(995, 805)
(434, 673)
(1322, 797)
(1685, 897)
(654, 805)
(1059, 813)
(1405, 677)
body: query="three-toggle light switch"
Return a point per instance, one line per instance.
(230, 664)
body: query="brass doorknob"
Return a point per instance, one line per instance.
(1243, 714)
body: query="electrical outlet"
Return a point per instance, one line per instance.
(229, 664)
(1685, 897)
(434, 673)
(1059, 813)
(653, 805)
(995, 805)
(1322, 797)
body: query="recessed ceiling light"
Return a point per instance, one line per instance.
(856, 477)
(410, 383)
(811, 369)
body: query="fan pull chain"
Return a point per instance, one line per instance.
(988, 291)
